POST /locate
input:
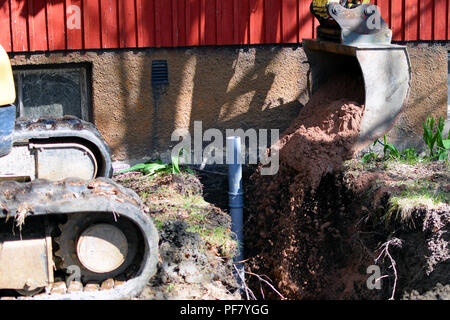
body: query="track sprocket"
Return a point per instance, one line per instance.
(121, 237)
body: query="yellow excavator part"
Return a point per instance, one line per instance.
(319, 7)
(7, 90)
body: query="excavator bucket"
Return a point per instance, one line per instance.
(384, 67)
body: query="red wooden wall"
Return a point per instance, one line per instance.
(41, 25)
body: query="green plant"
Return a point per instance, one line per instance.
(391, 152)
(394, 153)
(435, 137)
(369, 157)
(410, 155)
(159, 167)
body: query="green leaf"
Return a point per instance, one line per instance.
(393, 151)
(152, 168)
(443, 154)
(137, 167)
(176, 162)
(446, 143)
(368, 157)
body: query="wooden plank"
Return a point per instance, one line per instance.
(37, 25)
(19, 28)
(397, 12)
(305, 20)
(210, 29)
(224, 22)
(289, 13)
(145, 22)
(272, 17)
(56, 25)
(385, 9)
(163, 23)
(74, 24)
(202, 23)
(127, 24)
(411, 20)
(91, 24)
(174, 19)
(426, 20)
(448, 19)
(157, 24)
(316, 23)
(109, 23)
(5, 36)
(256, 21)
(243, 24)
(440, 20)
(236, 37)
(192, 22)
(181, 22)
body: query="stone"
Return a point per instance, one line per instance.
(75, 286)
(107, 284)
(91, 287)
(58, 288)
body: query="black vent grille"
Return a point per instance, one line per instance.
(160, 72)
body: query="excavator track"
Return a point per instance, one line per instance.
(81, 204)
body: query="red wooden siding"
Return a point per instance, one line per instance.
(43, 25)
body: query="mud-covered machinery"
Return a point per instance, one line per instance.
(354, 39)
(61, 217)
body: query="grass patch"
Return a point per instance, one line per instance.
(178, 197)
(421, 194)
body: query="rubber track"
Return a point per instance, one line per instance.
(101, 195)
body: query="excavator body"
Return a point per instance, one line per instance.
(62, 220)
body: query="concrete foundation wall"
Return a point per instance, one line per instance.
(428, 96)
(224, 87)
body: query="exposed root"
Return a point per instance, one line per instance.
(395, 242)
(262, 279)
(248, 292)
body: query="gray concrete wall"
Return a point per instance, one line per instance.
(428, 96)
(225, 87)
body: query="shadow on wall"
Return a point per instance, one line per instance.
(225, 88)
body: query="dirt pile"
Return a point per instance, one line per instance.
(392, 215)
(195, 241)
(289, 239)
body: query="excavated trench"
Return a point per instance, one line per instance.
(307, 227)
(287, 242)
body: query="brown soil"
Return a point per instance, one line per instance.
(410, 203)
(288, 234)
(316, 226)
(195, 240)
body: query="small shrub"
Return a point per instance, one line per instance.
(434, 138)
